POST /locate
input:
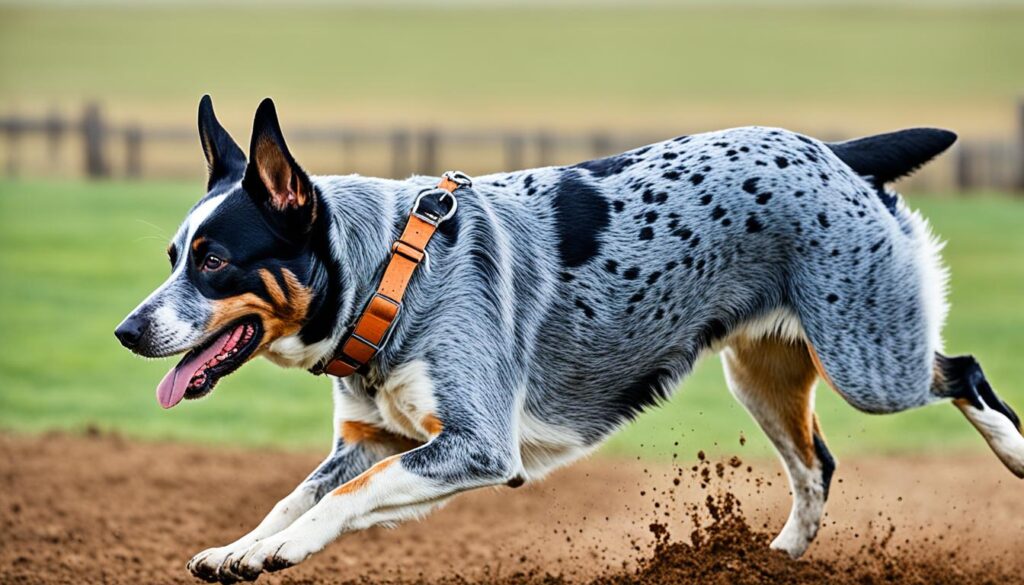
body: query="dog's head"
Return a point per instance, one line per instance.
(243, 271)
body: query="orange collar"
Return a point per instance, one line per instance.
(374, 326)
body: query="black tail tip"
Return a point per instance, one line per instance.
(887, 157)
(940, 138)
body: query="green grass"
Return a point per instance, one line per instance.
(628, 55)
(74, 258)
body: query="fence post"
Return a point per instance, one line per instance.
(1020, 145)
(133, 151)
(400, 154)
(54, 132)
(94, 140)
(13, 128)
(428, 152)
(601, 145)
(545, 147)
(514, 147)
(962, 167)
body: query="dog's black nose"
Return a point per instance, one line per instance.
(129, 332)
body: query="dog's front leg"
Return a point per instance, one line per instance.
(345, 462)
(395, 489)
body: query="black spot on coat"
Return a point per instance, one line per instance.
(581, 214)
(753, 224)
(612, 165)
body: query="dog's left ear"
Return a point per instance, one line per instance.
(224, 159)
(273, 177)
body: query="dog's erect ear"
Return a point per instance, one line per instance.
(224, 158)
(273, 177)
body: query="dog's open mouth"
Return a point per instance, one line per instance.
(198, 372)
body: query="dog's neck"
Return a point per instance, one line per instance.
(360, 218)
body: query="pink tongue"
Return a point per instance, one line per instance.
(172, 388)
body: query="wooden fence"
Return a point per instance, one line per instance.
(105, 149)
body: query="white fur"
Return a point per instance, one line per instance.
(933, 273)
(781, 324)
(544, 447)
(405, 399)
(291, 352)
(389, 497)
(1004, 438)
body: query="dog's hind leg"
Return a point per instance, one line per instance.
(961, 379)
(774, 379)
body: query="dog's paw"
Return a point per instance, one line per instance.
(213, 565)
(269, 555)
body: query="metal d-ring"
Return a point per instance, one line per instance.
(433, 218)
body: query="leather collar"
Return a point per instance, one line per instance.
(374, 325)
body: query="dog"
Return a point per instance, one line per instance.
(555, 305)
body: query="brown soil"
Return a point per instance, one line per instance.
(101, 509)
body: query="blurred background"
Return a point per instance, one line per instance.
(100, 160)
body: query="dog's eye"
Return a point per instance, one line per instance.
(212, 263)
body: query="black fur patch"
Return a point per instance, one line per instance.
(753, 224)
(963, 378)
(644, 392)
(710, 332)
(828, 464)
(612, 165)
(581, 214)
(587, 310)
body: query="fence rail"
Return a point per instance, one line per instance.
(106, 149)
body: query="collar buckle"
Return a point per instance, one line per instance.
(375, 324)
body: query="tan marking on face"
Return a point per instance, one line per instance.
(781, 376)
(360, 481)
(432, 425)
(284, 314)
(197, 242)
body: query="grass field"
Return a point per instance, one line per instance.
(76, 257)
(809, 66)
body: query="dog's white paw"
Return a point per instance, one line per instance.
(271, 554)
(213, 565)
(207, 564)
(796, 536)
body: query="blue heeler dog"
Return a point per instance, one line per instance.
(555, 305)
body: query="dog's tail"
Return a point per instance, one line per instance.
(883, 158)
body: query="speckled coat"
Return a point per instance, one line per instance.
(560, 302)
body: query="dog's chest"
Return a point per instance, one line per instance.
(405, 403)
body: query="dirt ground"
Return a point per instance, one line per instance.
(102, 509)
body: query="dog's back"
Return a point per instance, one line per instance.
(613, 276)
